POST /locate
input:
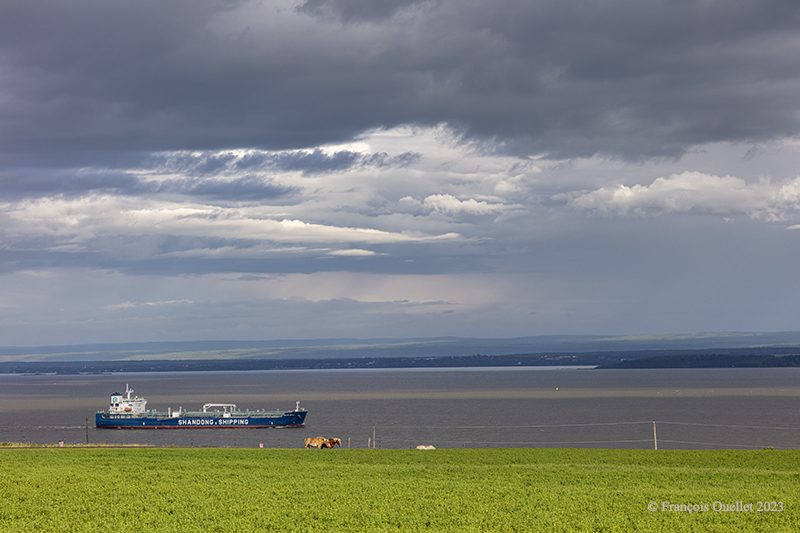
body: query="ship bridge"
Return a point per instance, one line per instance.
(125, 404)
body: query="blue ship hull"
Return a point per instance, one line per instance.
(199, 420)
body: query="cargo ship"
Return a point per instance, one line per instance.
(125, 412)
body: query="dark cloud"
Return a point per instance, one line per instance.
(307, 162)
(217, 175)
(318, 162)
(382, 159)
(620, 78)
(315, 162)
(247, 188)
(18, 184)
(168, 244)
(70, 184)
(358, 10)
(172, 141)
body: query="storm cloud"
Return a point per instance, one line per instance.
(397, 168)
(623, 79)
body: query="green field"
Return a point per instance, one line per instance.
(196, 489)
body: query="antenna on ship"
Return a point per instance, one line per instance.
(128, 391)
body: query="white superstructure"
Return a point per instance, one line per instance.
(125, 404)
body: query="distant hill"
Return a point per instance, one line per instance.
(738, 357)
(561, 349)
(427, 347)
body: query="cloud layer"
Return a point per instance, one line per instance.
(621, 78)
(328, 168)
(695, 192)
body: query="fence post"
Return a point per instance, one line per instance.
(655, 438)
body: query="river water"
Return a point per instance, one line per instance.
(445, 408)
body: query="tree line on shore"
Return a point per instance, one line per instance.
(738, 358)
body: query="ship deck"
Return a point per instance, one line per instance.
(199, 414)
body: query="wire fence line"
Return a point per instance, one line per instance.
(515, 426)
(718, 444)
(650, 422)
(626, 434)
(736, 426)
(528, 443)
(26, 428)
(386, 435)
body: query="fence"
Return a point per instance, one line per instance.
(639, 434)
(643, 434)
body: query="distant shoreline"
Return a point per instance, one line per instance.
(708, 361)
(734, 358)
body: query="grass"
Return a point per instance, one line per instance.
(186, 489)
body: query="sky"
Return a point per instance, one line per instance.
(300, 169)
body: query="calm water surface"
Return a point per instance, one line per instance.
(446, 408)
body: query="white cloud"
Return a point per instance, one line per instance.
(351, 248)
(696, 192)
(130, 305)
(81, 219)
(353, 252)
(346, 210)
(449, 204)
(445, 203)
